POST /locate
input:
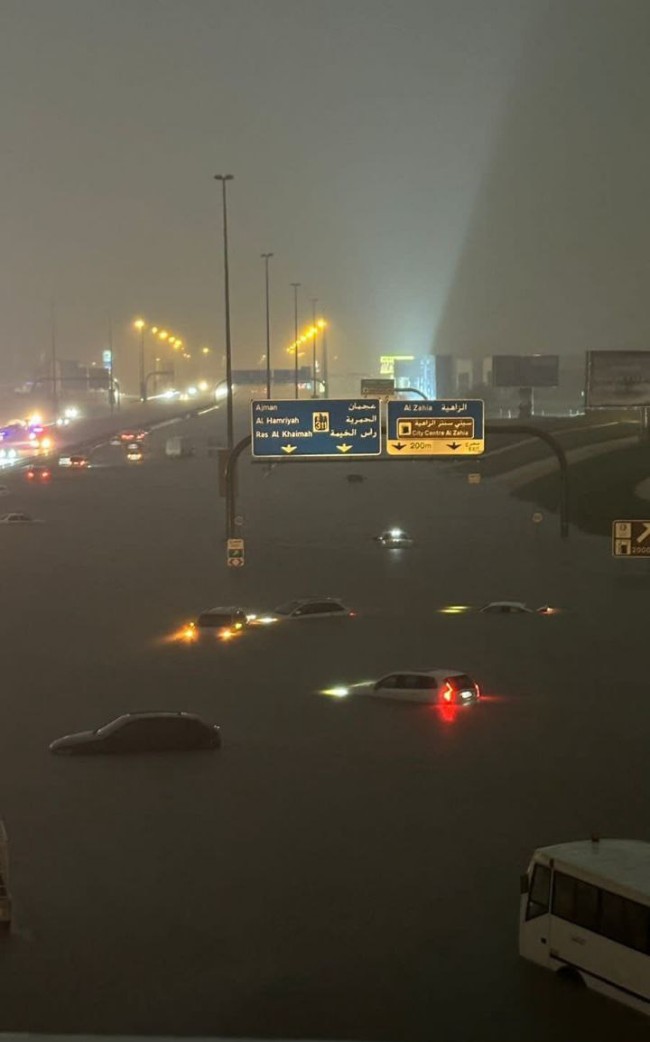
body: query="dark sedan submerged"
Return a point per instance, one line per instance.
(143, 733)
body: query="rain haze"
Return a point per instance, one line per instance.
(324, 707)
(359, 135)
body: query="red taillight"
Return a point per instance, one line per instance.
(30, 475)
(447, 692)
(478, 691)
(352, 614)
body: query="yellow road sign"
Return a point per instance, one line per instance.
(436, 447)
(631, 538)
(425, 429)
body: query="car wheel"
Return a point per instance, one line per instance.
(571, 977)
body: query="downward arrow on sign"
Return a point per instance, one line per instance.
(289, 448)
(399, 446)
(344, 448)
(453, 447)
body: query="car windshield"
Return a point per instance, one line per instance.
(288, 608)
(214, 619)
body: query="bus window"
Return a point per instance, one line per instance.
(575, 901)
(538, 896)
(624, 921)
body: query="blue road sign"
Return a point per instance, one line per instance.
(441, 427)
(332, 428)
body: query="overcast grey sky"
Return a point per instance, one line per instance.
(466, 173)
(358, 132)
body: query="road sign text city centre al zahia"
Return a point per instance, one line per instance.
(440, 427)
(331, 428)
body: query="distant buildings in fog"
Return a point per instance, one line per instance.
(447, 376)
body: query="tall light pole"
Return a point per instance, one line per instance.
(266, 258)
(314, 331)
(296, 287)
(139, 324)
(54, 361)
(111, 371)
(325, 365)
(226, 289)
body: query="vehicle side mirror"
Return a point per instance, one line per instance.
(523, 884)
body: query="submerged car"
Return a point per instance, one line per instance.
(307, 608)
(38, 473)
(18, 518)
(222, 622)
(143, 733)
(499, 608)
(434, 686)
(394, 539)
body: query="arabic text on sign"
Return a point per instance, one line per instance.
(435, 427)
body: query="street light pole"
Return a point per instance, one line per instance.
(314, 302)
(54, 361)
(140, 326)
(111, 372)
(325, 364)
(296, 286)
(266, 257)
(226, 285)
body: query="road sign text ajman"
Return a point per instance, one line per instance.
(326, 428)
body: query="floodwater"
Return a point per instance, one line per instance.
(340, 869)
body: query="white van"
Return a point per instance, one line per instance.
(585, 911)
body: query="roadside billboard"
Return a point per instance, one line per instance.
(387, 363)
(617, 379)
(525, 370)
(377, 388)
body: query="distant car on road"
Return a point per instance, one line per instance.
(308, 608)
(223, 622)
(143, 733)
(394, 539)
(134, 452)
(434, 686)
(38, 473)
(133, 434)
(76, 462)
(499, 608)
(18, 518)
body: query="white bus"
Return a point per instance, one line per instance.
(585, 911)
